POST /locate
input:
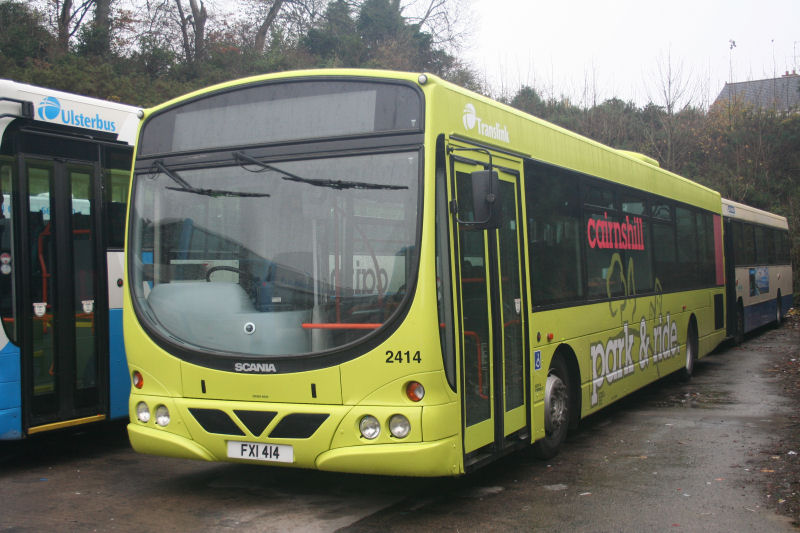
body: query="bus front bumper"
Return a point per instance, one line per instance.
(424, 459)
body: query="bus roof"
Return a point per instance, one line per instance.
(731, 209)
(48, 106)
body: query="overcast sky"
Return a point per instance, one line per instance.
(595, 50)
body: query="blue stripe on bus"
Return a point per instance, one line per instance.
(119, 382)
(10, 394)
(787, 301)
(757, 315)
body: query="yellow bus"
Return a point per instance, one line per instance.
(381, 272)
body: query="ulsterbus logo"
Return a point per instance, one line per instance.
(51, 110)
(495, 132)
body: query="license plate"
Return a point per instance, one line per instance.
(258, 451)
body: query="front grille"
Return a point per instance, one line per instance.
(255, 421)
(216, 421)
(291, 426)
(298, 426)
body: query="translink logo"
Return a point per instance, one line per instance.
(495, 132)
(51, 110)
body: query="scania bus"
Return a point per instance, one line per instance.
(758, 267)
(64, 173)
(381, 272)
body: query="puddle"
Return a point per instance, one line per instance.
(695, 399)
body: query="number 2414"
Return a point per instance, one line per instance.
(403, 357)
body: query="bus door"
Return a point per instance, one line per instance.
(489, 291)
(60, 309)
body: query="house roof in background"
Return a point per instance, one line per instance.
(781, 94)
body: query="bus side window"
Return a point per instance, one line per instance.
(748, 244)
(688, 261)
(554, 233)
(664, 254)
(634, 212)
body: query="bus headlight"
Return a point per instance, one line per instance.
(370, 427)
(399, 426)
(162, 415)
(142, 412)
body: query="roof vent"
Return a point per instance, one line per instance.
(641, 157)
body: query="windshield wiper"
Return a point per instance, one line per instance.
(172, 175)
(317, 182)
(214, 193)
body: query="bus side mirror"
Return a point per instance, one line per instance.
(486, 199)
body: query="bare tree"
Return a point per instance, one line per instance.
(674, 89)
(65, 18)
(193, 29)
(674, 95)
(445, 20)
(266, 24)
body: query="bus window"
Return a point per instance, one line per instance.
(635, 213)
(664, 258)
(6, 253)
(748, 245)
(598, 197)
(116, 192)
(554, 235)
(687, 248)
(605, 272)
(764, 253)
(705, 244)
(662, 211)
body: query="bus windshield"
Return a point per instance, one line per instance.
(274, 258)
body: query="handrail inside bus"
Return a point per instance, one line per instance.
(340, 325)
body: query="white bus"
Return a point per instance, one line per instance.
(758, 267)
(64, 175)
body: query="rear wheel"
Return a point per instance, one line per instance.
(558, 406)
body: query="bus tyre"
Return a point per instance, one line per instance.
(558, 405)
(691, 352)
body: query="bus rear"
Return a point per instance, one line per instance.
(275, 237)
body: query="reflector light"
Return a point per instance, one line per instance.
(138, 380)
(415, 391)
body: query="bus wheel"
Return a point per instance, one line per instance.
(558, 405)
(691, 352)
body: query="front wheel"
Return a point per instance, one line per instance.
(558, 406)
